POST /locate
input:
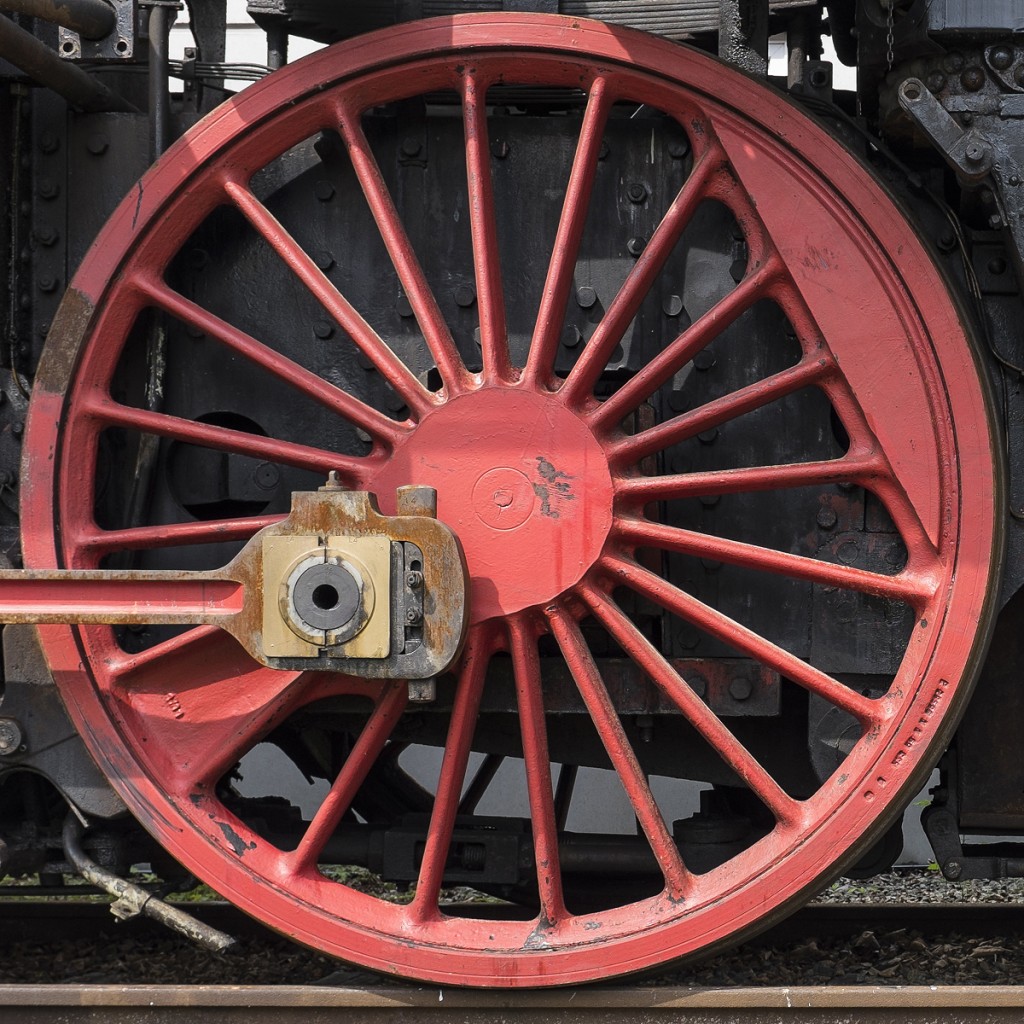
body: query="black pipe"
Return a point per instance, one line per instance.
(91, 19)
(132, 899)
(42, 65)
(159, 79)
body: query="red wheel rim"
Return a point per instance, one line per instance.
(907, 390)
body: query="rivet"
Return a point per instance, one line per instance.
(704, 360)
(1001, 57)
(827, 519)
(47, 284)
(404, 307)
(688, 639)
(997, 266)
(500, 149)
(10, 737)
(698, 684)
(465, 295)
(972, 78)
(323, 259)
(637, 192)
(710, 500)
(411, 146)
(17, 428)
(740, 688)
(708, 436)
(48, 142)
(323, 190)
(604, 150)
(936, 81)
(46, 234)
(678, 148)
(677, 401)
(586, 297)
(97, 144)
(323, 329)
(48, 188)
(673, 305)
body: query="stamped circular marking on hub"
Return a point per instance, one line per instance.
(510, 468)
(504, 498)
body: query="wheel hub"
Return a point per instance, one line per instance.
(524, 484)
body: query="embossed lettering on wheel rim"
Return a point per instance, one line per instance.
(879, 336)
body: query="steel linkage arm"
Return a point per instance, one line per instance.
(335, 586)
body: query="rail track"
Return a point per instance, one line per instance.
(115, 1004)
(652, 1000)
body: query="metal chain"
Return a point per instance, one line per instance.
(889, 34)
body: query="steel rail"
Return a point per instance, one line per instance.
(198, 1004)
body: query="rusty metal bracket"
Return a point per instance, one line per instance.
(335, 586)
(968, 153)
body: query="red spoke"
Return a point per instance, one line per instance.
(453, 774)
(623, 757)
(208, 435)
(360, 760)
(287, 370)
(849, 469)
(555, 297)
(627, 302)
(913, 589)
(785, 809)
(484, 229)
(526, 666)
(202, 703)
(807, 373)
(424, 305)
(147, 538)
(745, 640)
(369, 342)
(696, 337)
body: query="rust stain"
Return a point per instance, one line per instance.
(556, 488)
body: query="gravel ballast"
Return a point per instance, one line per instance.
(875, 956)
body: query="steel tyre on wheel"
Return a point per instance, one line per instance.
(558, 489)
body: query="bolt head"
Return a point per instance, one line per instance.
(975, 153)
(586, 297)
(672, 306)
(637, 192)
(635, 246)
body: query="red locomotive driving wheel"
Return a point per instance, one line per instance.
(555, 479)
